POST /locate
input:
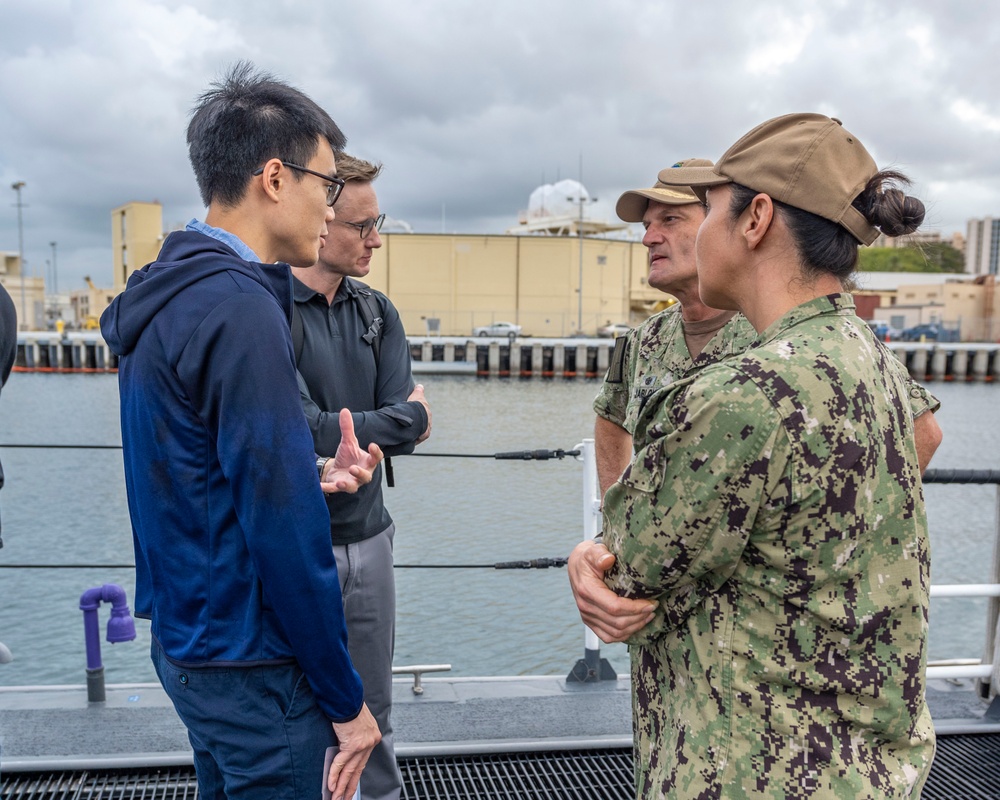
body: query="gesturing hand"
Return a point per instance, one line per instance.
(351, 467)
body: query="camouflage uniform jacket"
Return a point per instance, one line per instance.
(775, 508)
(655, 355)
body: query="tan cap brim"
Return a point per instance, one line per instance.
(632, 205)
(697, 178)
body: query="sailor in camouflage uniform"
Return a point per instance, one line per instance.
(666, 347)
(773, 512)
(669, 346)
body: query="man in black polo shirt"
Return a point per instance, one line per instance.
(352, 353)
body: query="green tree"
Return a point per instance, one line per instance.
(934, 257)
(945, 257)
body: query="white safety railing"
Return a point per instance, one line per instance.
(953, 669)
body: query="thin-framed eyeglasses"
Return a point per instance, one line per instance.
(365, 226)
(336, 185)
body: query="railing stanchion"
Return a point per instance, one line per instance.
(591, 667)
(988, 689)
(987, 675)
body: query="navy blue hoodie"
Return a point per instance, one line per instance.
(231, 533)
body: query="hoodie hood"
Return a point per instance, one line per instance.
(186, 258)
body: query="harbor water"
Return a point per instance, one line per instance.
(67, 507)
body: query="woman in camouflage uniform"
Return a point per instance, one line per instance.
(774, 506)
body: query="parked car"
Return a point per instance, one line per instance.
(614, 329)
(917, 332)
(928, 332)
(884, 331)
(508, 329)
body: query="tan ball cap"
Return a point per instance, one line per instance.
(632, 204)
(807, 161)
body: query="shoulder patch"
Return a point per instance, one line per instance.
(616, 365)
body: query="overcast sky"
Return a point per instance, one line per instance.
(471, 105)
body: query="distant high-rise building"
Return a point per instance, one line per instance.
(982, 246)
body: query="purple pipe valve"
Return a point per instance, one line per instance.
(121, 626)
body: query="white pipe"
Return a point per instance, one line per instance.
(963, 671)
(966, 590)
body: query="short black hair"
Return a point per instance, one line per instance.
(245, 119)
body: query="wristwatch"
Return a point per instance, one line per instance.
(320, 465)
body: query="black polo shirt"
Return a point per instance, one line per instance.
(337, 369)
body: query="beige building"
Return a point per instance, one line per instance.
(451, 283)
(970, 305)
(88, 304)
(904, 299)
(136, 236)
(27, 292)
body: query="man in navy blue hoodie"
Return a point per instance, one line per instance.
(232, 537)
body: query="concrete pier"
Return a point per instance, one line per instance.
(506, 358)
(529, 357)
(500, 357)
(78, 351)
(951, 361)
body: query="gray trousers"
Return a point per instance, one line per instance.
(369, 589)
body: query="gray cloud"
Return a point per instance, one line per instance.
(471, 106)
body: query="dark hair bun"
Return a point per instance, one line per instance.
(895, 213)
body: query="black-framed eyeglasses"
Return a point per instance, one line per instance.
(365, 226)
(332, 191)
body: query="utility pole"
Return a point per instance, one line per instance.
(55, 270)
(579, 236)
(17, 186)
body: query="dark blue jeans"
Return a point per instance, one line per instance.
(257, 732)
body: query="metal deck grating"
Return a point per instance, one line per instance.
(165, 783)
(584, 774)
(966, 768)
